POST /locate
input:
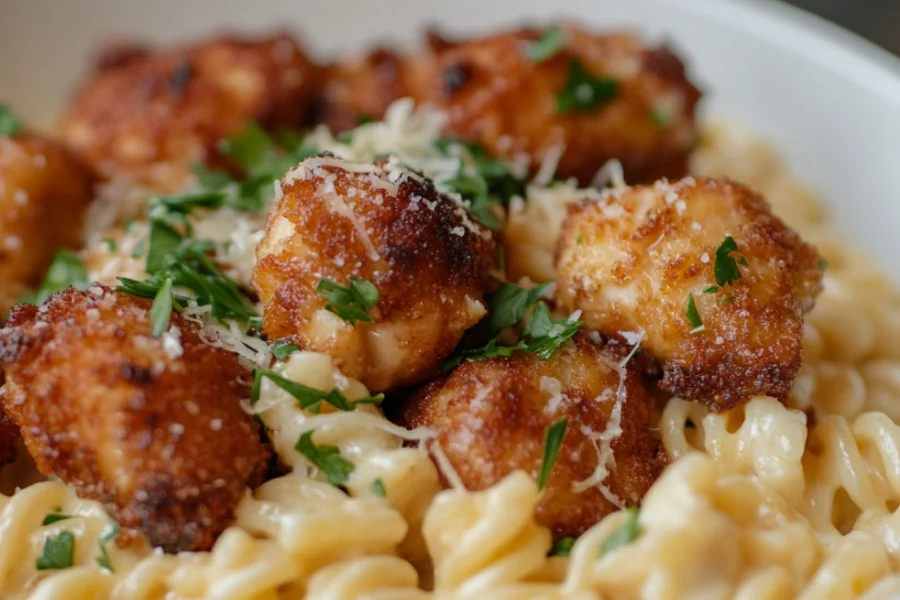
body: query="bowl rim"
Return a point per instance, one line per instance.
(831, 46)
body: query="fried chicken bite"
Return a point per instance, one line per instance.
(598, 97)
(148, 116)
(44, 192)
(151, 427)
(360, 87)
(411, 262)
(717, 284)
(492, 416)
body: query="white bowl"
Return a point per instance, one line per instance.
(827, 99)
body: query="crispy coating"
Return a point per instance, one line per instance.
(360, 87)
(492, 418)
(44, 192)
(629, 262)
(152, 428)
(495, 94)
(148, 116)
(387, 225)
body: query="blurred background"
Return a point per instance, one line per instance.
(878, 20)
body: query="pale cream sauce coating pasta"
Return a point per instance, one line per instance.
(768, 500)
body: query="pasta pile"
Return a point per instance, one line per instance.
(759, 502)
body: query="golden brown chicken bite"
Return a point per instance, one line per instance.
(596, 97)
(44, 192)
(724, 318)
(359, 88)
(150, 116)
(151, 427)
(491, 419)
(339, 222)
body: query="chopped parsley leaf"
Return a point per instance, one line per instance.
(624, 535)
(579, 239)
(552, 40)
(659, 117)
(365, 119)
(541, 336)
(582, 92)
(10, 124)
(103, 559)
(378, 488)
(349, 302)
(58, 553)
(563, 547)
(111, 244)
(712, 289)
(161, 309)
(726, 300)
(508, 305)
(65, 270)
(326, 458)
(693, 317)
(726, 268)
(487, 183)
(54, 517)
(307, 397)
(163, 249)
(823, 265)
(552, 443)
(282, 349)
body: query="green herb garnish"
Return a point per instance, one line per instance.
(486, 183)
(552, 443)
(823, 265)
(582, 92)
(282, 349)
(161, 309)
(103, 560)
(563, 547)
(552, 40)
(624, 535)
(326, 458)
(378, 488)
(693, 317)
(726, 268)
(58, 553)
(54, 517)
(10, 124)
(65, 270)
(349, 302)
(659, 118)
(508, 305)
(307, 397)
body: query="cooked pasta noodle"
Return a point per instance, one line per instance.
(769, 500)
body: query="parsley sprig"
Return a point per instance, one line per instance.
(540, 335)
(308, 398)
(10, 124)
(282, 349)
(352, 302)
(562, 547)
(103, 560)
(327, 459)
(552, 40)
(624, 535)
(582, 92)
(65, 270)
(552, 443)
(58, 552)
(481, 180)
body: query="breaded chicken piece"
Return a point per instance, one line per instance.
(492, 417)
(148, 116)
(496, 94)
(360, 87)
(634, 261)
(335, 220)
(44, 192)
(150, 427)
